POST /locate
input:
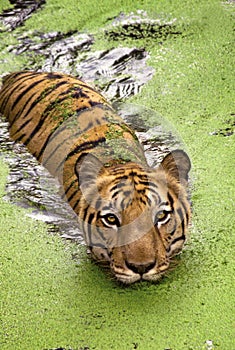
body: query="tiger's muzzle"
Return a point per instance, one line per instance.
(143, 259)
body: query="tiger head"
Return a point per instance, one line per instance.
(135, 218)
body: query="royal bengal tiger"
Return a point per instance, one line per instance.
(133, 217)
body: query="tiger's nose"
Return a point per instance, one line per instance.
(140, 268)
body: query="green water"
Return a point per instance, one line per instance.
(47, 299)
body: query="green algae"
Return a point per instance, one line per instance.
(48, 300)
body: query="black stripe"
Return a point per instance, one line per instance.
(89, 222)
(157, 198)
(23, 92)
(137, 174)
(59, 129)
(51, 137)
(143, 201)
(80, 148)
(85, 214)
(107, 207)
(76, 167)
(45, 161)
(93, 103)
(45, 93)
(163, 203)
(54, 103)
(98, 205)
(10, 78)
(171, 200)
(127, 193)
(62, 128)
(186, 212)
(168, 249)
(173, 230)
(44, 117)
(75, 205)
(52, 75)
(181, 238)
(141, 191)
(99, 230)
(89, 126)
(72, 196)
(149, 201)
(115, 190)
(69, 188)
(18, 139)
(147, 183)
(96, 245)
(123, 205)
(118, 172)
(151, 189)
(90, 218)
(20, 128)
(118, 186)
(21, 111)
(180, 213)
(187, 218)
(77, 92)
(83, 147)
(98, 121)
(120, 178)
(35, 130)
(7, 79)
(7, 90)
(38, 128)
(81, 220)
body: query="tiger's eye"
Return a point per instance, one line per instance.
(161, 215)
(110, 220)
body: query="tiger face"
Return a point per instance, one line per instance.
(133, 218)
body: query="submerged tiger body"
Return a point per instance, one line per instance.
(134, 217)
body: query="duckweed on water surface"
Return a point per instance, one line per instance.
(49, 300)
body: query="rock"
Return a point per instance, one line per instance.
(22, 10)
(63, 52)
(119, 72)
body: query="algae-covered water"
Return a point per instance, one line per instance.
(51, 295)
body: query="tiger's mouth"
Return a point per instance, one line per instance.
(129, 274)
(129, 271)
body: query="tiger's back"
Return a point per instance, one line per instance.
(59, 119)
(133, 217)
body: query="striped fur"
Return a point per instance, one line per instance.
(133, 217)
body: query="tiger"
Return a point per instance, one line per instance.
(134, 217)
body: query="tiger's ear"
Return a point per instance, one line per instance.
(88, 169)
(177, 164)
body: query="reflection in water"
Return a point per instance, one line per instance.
(31, 186)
